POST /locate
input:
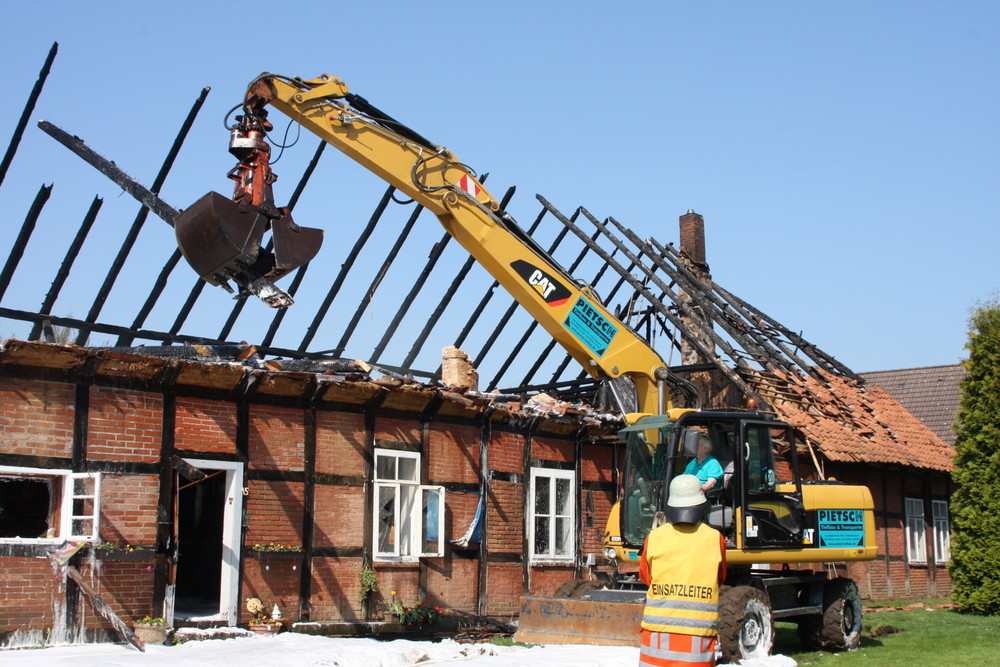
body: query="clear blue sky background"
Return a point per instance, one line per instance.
(844, 154)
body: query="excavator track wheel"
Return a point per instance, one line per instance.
(746, 629)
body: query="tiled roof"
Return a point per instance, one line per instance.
(931, 393)
(850, 422)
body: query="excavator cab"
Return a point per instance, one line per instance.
(751, 505)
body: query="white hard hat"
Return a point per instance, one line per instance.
(687, 502)
(685, 491)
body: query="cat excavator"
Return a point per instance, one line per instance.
(772, 519)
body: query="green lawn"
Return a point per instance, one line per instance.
(925, 637)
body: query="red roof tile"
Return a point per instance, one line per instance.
(848, 421)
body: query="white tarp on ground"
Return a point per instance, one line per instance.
(297, 650)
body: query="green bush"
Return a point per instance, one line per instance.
(975, 506)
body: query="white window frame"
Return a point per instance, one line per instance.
(406, 543)
(942, 531)
(62, 528)
(549, 476)
(916, 531)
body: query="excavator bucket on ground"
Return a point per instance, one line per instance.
(550, 620)
(222, 240)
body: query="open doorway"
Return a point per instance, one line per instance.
(207, 529)
(200, 507)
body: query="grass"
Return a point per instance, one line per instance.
(924, 636)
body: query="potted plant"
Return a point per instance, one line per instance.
(423, 614)
(151, 629)
(261, 623)
(394, 612)
(367, 584)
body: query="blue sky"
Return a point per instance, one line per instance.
(844, 155)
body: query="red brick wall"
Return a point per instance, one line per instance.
(275, 582)
(275, 513)
(36, 418)
(338, 515)
(340, 444)
(505, 523)
(29, 588)
(453, 455)
(128, 509)
(552, 450)
(506, 452)
(397, 430)
(127, 586)
(124, 425)
(545, 580)
(277, 438)
(335, 589)
(205, 426)
(504, 583)
(455, 583)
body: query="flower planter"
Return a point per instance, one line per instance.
(266, 628)
(124, 554)
(276, 555)
(151, 634)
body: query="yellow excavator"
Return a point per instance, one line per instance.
(771, 517)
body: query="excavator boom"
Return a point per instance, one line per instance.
(223, 239)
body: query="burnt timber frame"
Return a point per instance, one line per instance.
(731, 335)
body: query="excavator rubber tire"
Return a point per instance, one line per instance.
(841, 629)
(746, 627)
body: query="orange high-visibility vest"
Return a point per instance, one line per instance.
(683, 593)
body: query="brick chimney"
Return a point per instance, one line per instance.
(692, 229)
(693, 237)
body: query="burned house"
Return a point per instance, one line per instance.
(198, 470)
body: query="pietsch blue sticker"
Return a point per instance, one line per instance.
(590, 327)
(841, 528)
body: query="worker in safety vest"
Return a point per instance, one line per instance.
(684, 564)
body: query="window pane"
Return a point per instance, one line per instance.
(84, 486)
(431, 520)
(916, 537)
(385, 467)
(82, 527)
(541, 536)
(408, 469)
(386, 520)
(542, 495)
(564, 496)
(564, 540)
(760, 469)
(83, 507)
(407, 505)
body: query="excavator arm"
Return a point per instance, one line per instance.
(434, 178)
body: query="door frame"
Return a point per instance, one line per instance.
(232, 534)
